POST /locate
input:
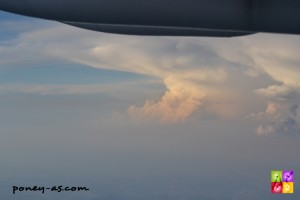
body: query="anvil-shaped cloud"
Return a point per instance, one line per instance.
(202, 76)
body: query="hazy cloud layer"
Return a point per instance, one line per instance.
(63, 89)
(220, 77)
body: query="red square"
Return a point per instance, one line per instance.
(276, 187)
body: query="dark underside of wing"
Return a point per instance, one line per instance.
(157, 30)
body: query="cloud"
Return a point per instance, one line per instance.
(279, 91)
(294, 110)
(282, 114)
(177, 103)
(279, 118)
(277, 57)
(213, 76)
(177, 63)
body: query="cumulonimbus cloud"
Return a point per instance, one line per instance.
(213, 75)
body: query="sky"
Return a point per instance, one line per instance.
(135, 117)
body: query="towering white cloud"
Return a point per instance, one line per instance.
(179, 101)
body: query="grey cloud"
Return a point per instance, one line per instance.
(289, 126)
(294, 110)
(279, 118)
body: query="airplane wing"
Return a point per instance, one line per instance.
(156, 30)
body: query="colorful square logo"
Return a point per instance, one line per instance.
(282, 182)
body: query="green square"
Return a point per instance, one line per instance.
(276, 176)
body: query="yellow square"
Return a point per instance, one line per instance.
(288, 187)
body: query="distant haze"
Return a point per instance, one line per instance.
(146, 117)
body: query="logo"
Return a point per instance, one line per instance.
(282, 182)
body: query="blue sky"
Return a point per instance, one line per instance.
(145, 117)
